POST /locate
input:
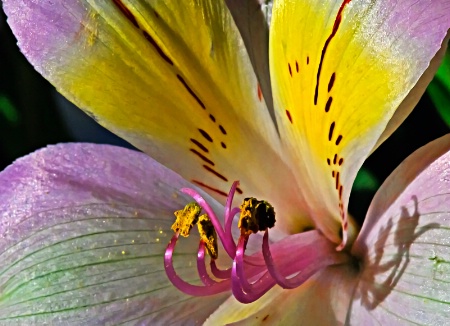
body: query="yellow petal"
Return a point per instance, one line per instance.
(339, 70)
(171, 77)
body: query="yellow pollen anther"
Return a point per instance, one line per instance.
(208, 236)
(186, 218)
(256, 215)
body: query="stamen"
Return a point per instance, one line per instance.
(185, 287)
(312, 258)
(208, 235)
(256, 215)
(219, 273)
(244, 291)
(250, 277)
(201, 266)
(229, 246)
(186, 219)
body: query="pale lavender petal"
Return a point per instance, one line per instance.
(405, 244)
(83, 230)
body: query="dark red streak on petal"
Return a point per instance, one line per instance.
(223, 145)
(213, 119)
(157, 48)
(335, 158)
(341, 160)
(191, 91)
(296, 66)
(126, 12)
(337, 181)
(338, 140)
(328, 161)
(337, 22)
(206, 135)
(200, 145)
(239, 191)
(217, 174)
(289, 115)
(290, 70)
(204, 158)
(201, 184)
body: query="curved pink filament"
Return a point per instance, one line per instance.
(183, 286)
(201, 266)
(230, 200)
(312, 264)
(229, 246)
(279, 278)
(244, 291)
(219, 273)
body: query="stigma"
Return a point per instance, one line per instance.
(249, 276)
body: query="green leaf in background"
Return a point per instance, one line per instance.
(8, 110)
(439, 89)
(365, 180)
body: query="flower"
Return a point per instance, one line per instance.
(84, 227)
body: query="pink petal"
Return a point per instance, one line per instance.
(404, 244)
(83, 229)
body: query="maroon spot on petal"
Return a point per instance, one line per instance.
(222, 129)
(290, 70)
(337, 22)
(200, 145)
(328, 161)
(191, 91)
(307, 60)
(289, 115)
(296, 65)
(341, 160)
(265, 318)
(332, 174)
(259, 93)
(206, 135)
(337, 181)
(340, 193)
(204, 158)
(217, 174)
(338, 140)
(334, 158)
(213, 118)
(239, 190)
(330, 132)
(201, 184)
(223, 145)
(328, 104)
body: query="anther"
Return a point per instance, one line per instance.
(256, 215)
(208, 235)
(186, 219)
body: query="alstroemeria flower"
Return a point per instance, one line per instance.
(84, 229)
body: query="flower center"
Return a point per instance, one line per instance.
(288, 263)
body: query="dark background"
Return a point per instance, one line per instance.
(33, 115)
